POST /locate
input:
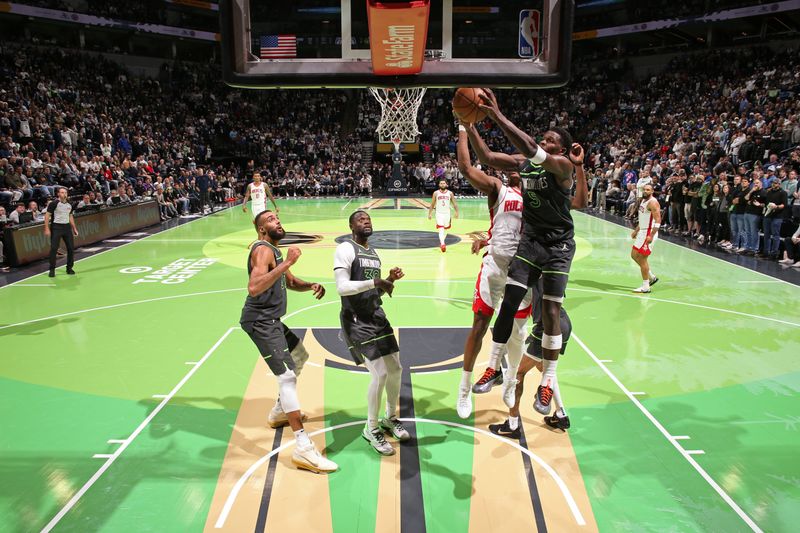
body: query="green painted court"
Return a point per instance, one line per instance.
(132, 401)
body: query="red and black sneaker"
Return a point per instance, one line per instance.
(489, 379)
(544, 395)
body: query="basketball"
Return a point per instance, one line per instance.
(465, 104)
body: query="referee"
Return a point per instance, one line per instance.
(60, 224)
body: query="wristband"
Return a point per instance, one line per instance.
(539, 157)
(461, 128)
(656, 226)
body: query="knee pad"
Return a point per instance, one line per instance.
(287, 386)
(551, 342)
(299, 356)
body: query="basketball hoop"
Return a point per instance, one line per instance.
(399, 108)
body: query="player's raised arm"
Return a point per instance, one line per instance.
(556, 163)
(497, 160)
(265, 273)
(581, 198)
(486, 184)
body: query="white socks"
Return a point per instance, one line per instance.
(561, 412)
(646, 284)
(466, 379)
(496, 353)
(513, 422)
(441, 236)
(549, 373)
(302, 438)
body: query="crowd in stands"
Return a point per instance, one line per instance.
(83, 122)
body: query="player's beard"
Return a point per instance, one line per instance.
(365, 233)
(276, 234)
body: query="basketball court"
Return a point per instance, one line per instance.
(138, 400)
(134, 401)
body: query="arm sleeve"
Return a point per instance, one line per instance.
(342, 259)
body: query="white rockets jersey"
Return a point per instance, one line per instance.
(645, 215)
(259, 194)
(506, 225)
(443, 201)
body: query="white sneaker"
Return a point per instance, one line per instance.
(509, 389)
(786, 261)
(641, 290)
(796, 265)
(464, 403)
(377, 440)
(308, 458)
(395, 428)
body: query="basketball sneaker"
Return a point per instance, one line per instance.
(557, 422)
(544, 395)
(489, 379)
(641, 290)
(509, 391)
(377, 440)
(395, 428)
(309, 458)
(653, 280)
(464, 402)
(443, 248)
(504, 430)
(278, 419)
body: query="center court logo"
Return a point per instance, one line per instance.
(179, 271)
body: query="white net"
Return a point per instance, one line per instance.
(399, 109)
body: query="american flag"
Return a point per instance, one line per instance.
(278, 46)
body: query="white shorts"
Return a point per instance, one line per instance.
(443, 220)
(640, 244)
(255, 209)
(490, 287)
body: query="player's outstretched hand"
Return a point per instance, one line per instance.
(489, 105)
(319, 290)
(384, 285)
(576, 154)
(293, 255)
(395, 274)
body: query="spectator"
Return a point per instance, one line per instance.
(776, 200)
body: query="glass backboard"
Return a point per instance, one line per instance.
(326, 43)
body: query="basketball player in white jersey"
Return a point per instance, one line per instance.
(441, 200)
(505, 209)
(645, 233)
(259, 192)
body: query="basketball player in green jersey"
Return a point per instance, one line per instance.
(368, 334)
(283, 352)
(546, 247)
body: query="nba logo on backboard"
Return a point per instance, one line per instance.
(529, 33)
